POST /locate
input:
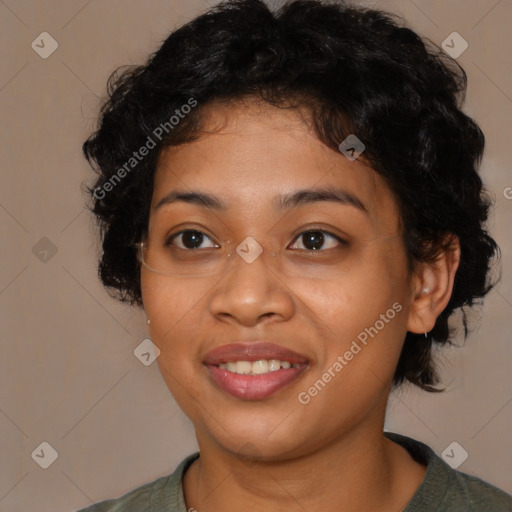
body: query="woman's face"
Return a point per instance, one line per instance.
(331, 285)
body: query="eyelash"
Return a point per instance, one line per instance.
(313, 230)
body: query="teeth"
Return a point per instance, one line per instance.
(255, 368)
(259, 367)
(274, 364)
(243, 367)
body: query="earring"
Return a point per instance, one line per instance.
(149, 322)
(426, 336)
(424, 291)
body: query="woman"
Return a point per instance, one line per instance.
(293, 199)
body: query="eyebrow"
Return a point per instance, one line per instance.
(282, 202)
(319, 194)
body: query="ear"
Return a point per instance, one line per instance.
(431, 287)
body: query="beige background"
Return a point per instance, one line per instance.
(68, 375)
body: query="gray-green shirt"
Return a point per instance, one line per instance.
(443, 489)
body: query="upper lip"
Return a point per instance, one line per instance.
(252, 351)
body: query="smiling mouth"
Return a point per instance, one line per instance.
(250, 386)
(253, 370)
(259, 367)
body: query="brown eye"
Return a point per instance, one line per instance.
(314, 240)
(190, 239)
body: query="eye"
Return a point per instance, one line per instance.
(313, 240)
(190, 239)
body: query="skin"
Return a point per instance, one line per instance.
(329, 454)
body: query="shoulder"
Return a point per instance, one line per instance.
(138, 499)
(445, 489)
(475, 494)
(165, 493)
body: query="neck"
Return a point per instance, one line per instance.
(360, 471)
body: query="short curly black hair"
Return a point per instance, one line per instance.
(355, 70)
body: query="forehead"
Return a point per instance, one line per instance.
(249, 153)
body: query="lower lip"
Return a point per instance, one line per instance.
(254, 387)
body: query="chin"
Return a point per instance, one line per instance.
(258, 439)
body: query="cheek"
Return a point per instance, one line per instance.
(367, 306)
(167, 300)
(174, 308)
(351, 302)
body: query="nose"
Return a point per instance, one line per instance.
(250, 293)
